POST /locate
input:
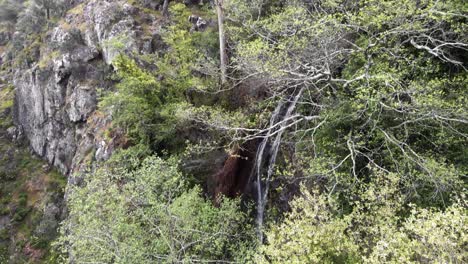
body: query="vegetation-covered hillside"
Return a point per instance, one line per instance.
(232, 131)
(31, 194)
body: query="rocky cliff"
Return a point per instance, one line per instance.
(56, 95)
(51, 87)
(50, 84)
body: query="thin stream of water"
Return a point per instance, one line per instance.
(272, 154)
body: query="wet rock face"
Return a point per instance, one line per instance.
(55, 98)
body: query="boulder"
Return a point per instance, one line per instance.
(15, 133)
(198, 23)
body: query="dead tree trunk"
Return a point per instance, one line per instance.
(222, 40)
(165, 8)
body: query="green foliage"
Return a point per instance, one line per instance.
(384, 131)
(4, 209)
(148, 215)
(23, 195)
(47, 59)
(33, 19)
(316, 231)
(135, 100)
(4, 255)
(387, 101)
(145, 103)
(311, 233)
(23, 199)
(40, 243)
(6, 105)
(402, 115)
(4, 234)
(20, 214)
(379, 131)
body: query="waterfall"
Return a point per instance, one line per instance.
(280, 115)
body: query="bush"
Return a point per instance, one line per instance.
(4, 176)
(39, 243)
(20, 214)
(149, 214)
(311, 233)
(5, 210)
(4, 254)
(145, 103)
(378, 230)
(21, 211)
(23, 199)
(4, 234)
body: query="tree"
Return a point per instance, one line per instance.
(36, 14)
(317, 232)
(145, 102)
(222, 40)
(148, 214)
(361, 84)
(165, 8)
(311, 233)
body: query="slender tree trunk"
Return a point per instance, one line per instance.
(222, 40)
(166, 8)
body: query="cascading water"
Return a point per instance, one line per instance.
(281, 116)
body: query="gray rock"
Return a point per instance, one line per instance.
(65, 39)
(55, 102)
(41, 96)
(82, 103)
(4, 38)
(62, 68)
(121, 38)
(198, 23)
(49, 222)
(110, 28)
(84, 54)
(15, 133)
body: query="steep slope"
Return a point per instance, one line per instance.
(57, 93)
(48, 103)
(31, 194)
(336, 133)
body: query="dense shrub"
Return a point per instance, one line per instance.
(316, 231)
(149, 215)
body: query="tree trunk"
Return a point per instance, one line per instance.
(166, 8)
(222, 40)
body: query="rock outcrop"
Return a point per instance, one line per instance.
(56, 95)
